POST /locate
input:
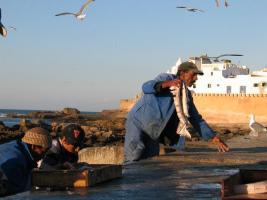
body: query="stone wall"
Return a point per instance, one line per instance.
(127, 104)
(232, 108)
(224, 108)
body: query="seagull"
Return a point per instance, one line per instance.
(3, 30)
(216, 58)
(190, 9)
(13, 28)
(256, 127)
(225, 3)
(79, 15)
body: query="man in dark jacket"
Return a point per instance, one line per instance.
(63, 153)
(18, 158)
(154, 117)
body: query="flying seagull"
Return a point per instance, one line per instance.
(216, 58)
(190, 9)
(3, 30)
(79, 15)
(256, 127)
(13, 28)
(218, 3)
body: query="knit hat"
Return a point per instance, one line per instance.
(189, 66)
(38, 136)
(74, 134)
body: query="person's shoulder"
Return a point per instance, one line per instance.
(55, 148)
(14, 144)
(166, 76)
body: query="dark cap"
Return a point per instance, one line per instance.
(74, 134)
(189, 66)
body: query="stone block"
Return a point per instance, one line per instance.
(102, 155)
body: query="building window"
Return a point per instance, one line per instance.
(228, 89)
(209, 85)
(218, 85)
(255, 85)
(264, 84)
(211, 73)
(194, 86)
(243, 89)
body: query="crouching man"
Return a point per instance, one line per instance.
(19, 157)
(64, 151)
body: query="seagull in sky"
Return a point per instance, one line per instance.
(256, 127)
(13, 28)
(3, 30)
(218, 2)
(79, 15)
(190, 9)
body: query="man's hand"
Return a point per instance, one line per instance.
(170, 83)
(221, 146)
(68, 165)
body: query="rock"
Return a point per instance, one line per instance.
(2, 125)
(71, 111)
(111, 114)
(41, 123)
(44, 115)
(25, 123)
(107, 134)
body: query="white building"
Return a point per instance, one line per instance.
(224, 77)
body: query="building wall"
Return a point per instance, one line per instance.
(223, 108)
(218, 84)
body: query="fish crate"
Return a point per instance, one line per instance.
(76, 178)
(245, 184)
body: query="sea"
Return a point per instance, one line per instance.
(12, 121)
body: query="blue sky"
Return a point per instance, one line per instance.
(55, 62)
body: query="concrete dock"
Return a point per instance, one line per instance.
(195, 173)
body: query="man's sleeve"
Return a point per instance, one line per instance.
(17, 176)
(154, 86)
(50, 161)
(198, 122)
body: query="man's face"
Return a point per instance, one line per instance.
(68, 147)
(189, 78)
(38, 152)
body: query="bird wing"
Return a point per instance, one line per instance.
(257, 127)
(195, 10)
(226, 4)
(0, 15)
(192, 9)
(217, 3)
(231, 54)
(3, 30)
(181, 7)
(12, 27)
(84, 6)
(200, 10)
(65, 13)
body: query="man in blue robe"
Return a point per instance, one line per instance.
(153, 118)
